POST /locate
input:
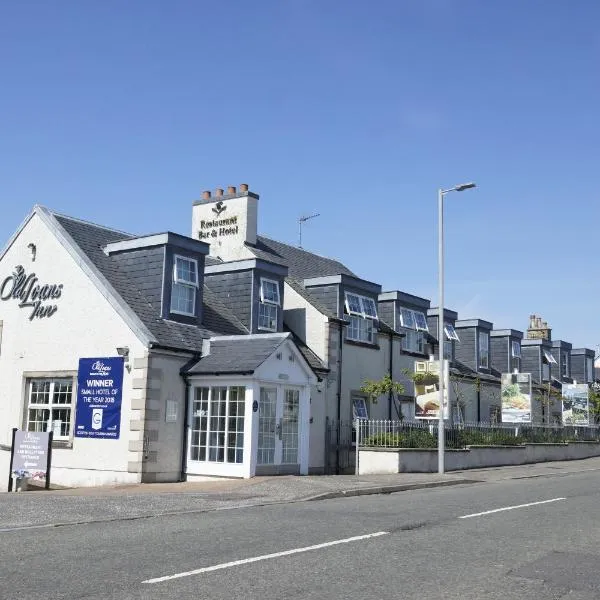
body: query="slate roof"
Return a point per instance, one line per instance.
(297, 286)
(461, 370)
(301, 263)
(241, 355)
(217, 319)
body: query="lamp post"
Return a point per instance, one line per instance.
(442, 384)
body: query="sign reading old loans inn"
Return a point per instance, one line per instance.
(29, 293)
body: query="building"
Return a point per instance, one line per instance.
(239, 355)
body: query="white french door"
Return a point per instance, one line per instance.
(278, 426)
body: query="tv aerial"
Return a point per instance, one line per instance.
(302, 220)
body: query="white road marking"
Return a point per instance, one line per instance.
(489, 512)
(246, 561)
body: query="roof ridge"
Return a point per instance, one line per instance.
(266, 237)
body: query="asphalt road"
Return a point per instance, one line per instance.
(402, 546)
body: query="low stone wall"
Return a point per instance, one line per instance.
(424, 460)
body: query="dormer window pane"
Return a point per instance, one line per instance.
(407, 319)
(184, 286)
(515, 350)
(369, 308)
(420, 321)
(564, 368)
(353, 304)
(549, 358)
(484, 350)
(267, 316)
(269, 291)
(451, 332)
(183, 299)
(589, 363)
(186, 271)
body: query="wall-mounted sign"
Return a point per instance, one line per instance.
(29, 293)
(427, 389)
(515, 390)
(99, 394)
(575, 404)
(218, 227)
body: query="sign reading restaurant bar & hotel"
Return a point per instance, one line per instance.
(218, 227)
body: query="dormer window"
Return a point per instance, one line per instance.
(415, 323)
(549, 358)
(269, 303)
(451, 332)
(185, 286)
(363, 312)
(515, 355)
(564, 364)
(484, 350)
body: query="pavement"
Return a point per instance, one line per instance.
(138, 501)
(526, 533)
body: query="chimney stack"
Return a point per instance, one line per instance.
(538, 329)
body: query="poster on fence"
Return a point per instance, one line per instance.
(427, 389)
(515, 390)
(575, 404)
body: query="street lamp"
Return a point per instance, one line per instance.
(441, 423)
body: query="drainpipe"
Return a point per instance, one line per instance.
(479, 400)
(339, 397)
(186, 416)
(391, 394)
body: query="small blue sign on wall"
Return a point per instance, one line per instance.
(99, 394)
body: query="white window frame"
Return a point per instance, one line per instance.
(365, 328)
(407, 318)
(589, 368)
(447, 349)
(549, 358)
(451, 332)
(361, 301)
(413, 341)
(418, 314)
(177, 281)
(263, 296)
(484, 350)
(50, 406)
(268, 308)
(217, 440)
(514, 344)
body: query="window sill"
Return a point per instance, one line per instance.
(64, 444)
(416, 354)
(372, 345)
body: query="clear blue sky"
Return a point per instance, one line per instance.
(123, 112)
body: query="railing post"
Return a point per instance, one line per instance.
(357, 446)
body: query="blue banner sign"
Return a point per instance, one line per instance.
(99, 394)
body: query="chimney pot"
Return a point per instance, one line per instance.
(219, 192)
(231, 190)
(206, 195)
(243, 187)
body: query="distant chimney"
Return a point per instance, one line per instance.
(243, 187)
(206, 195)
(219, 192)
(231, 190)
(538, 329)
